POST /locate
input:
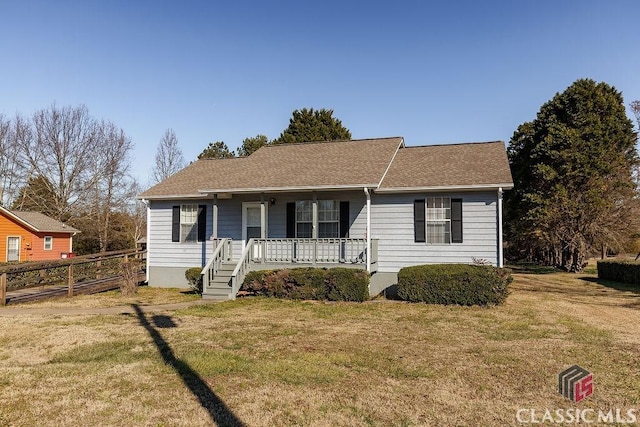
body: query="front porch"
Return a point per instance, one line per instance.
(223, 275)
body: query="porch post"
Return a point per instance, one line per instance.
(314, 220)
(368, 229)
(500, 250)
(215, 218)
(263, 218)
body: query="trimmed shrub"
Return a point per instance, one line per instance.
(458, 284)
(623, 271)
(194, 278)
(346, 284)
(335, 284)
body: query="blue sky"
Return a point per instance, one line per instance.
(432, 72)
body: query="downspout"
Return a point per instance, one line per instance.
(500, 249)
(368, 229)
(148, 237)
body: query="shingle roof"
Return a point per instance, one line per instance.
(324, 165)
(456, 165)
(383, 164)
(43, 223)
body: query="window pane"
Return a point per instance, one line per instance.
(328, 210)
(189, 232)
(303, 230)
(188, 214)
(304, 210)
(438, 232)
(253, 216)
(328, 230)
(253, 232)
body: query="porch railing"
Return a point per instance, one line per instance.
(242, 268)
(313, 251)
(221, 253)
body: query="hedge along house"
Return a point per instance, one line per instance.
(373, 204)
(32, 236)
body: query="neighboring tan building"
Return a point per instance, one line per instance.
(32, 236)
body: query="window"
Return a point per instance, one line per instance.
(328, 219)
(189, 223)
(304, 219)
(438, 220)
(332, 222)
(48, 243)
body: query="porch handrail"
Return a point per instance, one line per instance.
(220, 254)
(309, 250)
(242, 268)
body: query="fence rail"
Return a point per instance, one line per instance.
(95, 269)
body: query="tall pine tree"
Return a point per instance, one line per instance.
(572, 167)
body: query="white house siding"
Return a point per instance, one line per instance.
(392, 224)
(168, 260)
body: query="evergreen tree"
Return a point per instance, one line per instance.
(249, 145)
(309, 125)
(216, 150)
(573, 173)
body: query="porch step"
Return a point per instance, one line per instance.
(219, 287)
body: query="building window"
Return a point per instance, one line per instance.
(332, 222)
(438, 220)
(189, 223)
(48, 243)
(328, 219)
(304, 219)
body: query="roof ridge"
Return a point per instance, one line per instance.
(454, 143)
(329, 141)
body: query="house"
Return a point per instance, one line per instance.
(373, 204)
(32, 236)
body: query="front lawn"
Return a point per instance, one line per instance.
(269, 362)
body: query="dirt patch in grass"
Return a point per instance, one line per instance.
(268, 362)
(145, 296)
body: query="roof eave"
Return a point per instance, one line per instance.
(20, 220)
(466, 187)
(288, 189)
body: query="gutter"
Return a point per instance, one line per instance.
(503, 186)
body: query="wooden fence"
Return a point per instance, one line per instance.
(104, 270)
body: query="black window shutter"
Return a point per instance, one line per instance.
(202, 223)
(175, 224)
(456, 220)
(291, 220)
(418, 220)
(344, 219)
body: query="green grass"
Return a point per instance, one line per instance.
(276, 362)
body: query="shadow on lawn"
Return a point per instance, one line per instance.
(217, 409)
(613, 285)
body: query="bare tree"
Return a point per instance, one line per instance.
(138, 213)
(11, 174)
(169, 159)
(112, 184)
(62, 150)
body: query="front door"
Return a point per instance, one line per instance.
(252, 224)
(13, 249)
